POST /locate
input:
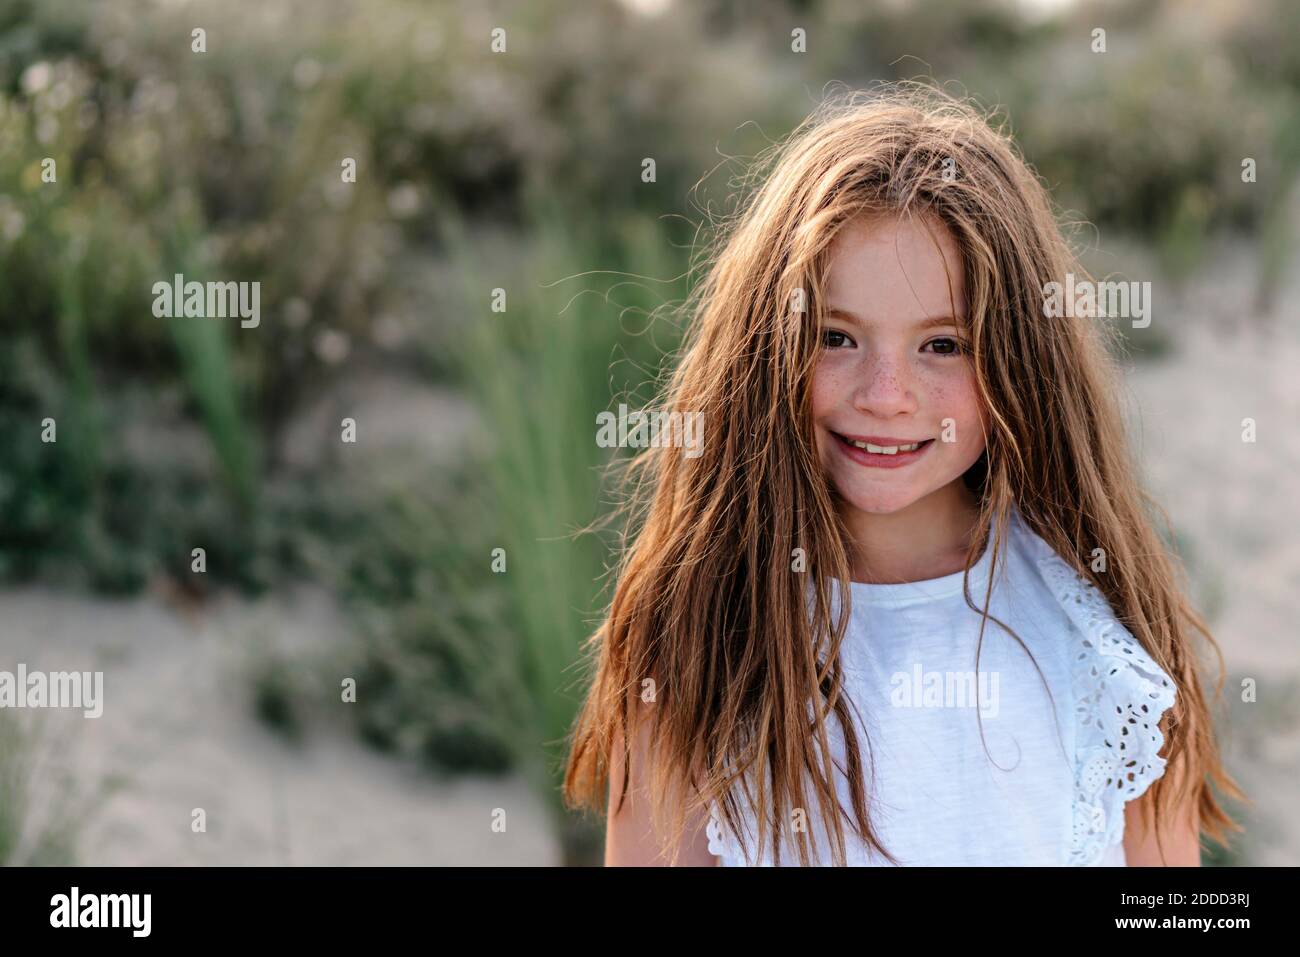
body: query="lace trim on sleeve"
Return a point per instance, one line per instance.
(1120, 696)
(715, 830)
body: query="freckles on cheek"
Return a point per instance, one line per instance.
(827, 389)
(939, 394)
(959, 401)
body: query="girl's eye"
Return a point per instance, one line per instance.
(834, 339)
(947, 346)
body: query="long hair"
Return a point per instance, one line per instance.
(724, 604)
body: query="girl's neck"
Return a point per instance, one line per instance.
(928, 539)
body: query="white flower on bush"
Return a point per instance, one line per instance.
(12, 221)
(404, 200)
(36, 77)
(332, 347)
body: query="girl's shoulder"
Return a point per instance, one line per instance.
(1119, 696)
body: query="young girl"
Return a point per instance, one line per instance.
(908, 606)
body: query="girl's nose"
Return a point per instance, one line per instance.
(886, 388)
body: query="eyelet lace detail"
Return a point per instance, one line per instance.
(1120, 696)
(717, 840)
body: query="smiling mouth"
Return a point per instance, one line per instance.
(884, 451)
(893, 448)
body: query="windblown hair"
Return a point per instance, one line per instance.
(742, 650)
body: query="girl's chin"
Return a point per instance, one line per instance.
(881, 504)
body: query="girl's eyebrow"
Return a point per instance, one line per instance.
(928, 322)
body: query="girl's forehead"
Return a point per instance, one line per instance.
(885, 268)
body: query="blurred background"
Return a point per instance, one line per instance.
(520, 171)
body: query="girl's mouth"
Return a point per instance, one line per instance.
(881, 452)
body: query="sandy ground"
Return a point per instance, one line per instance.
(178, 733)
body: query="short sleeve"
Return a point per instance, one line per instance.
(1120, 695)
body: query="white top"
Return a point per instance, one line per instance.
(1047, 797)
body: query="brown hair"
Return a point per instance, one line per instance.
(739, 647)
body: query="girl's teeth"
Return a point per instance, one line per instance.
(888, 449)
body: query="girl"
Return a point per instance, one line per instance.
(908, 606)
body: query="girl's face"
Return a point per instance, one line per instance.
(894, 372)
